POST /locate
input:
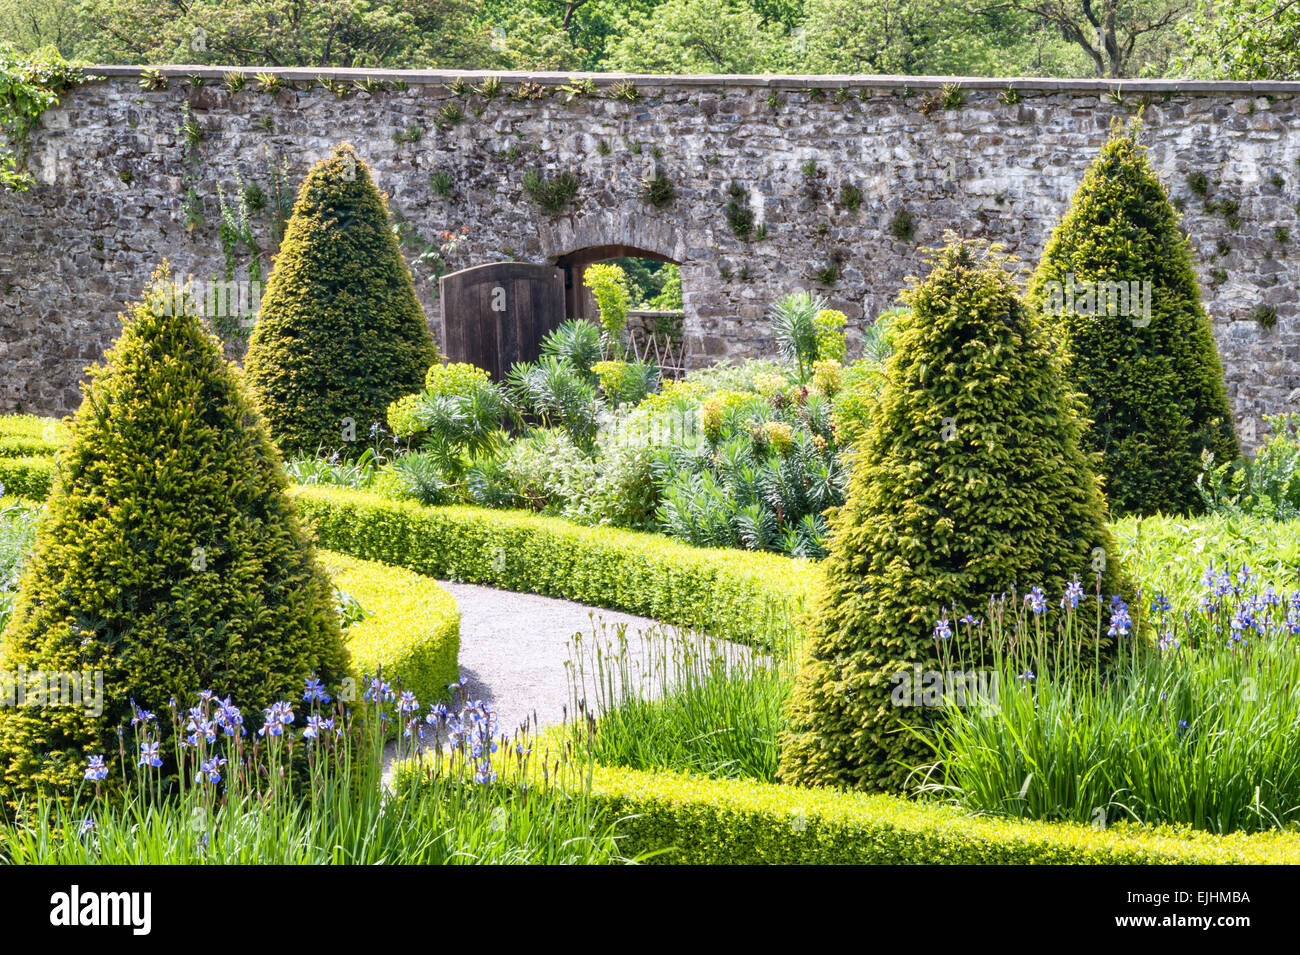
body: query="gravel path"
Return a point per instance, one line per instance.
(513, 648)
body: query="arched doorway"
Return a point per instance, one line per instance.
(577, 299)
(655, 320)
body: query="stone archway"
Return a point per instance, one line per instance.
(573, 243)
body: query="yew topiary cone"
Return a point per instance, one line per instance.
(970, 480)
(169, 557)
(341, 334)
(1117, 289)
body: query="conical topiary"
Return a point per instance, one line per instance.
(341, 334)
(970, 481)
(169, 557)
(1117, 288)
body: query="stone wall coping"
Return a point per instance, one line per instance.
(768, 81)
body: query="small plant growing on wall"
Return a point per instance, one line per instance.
(235, 81)
(1009, 96)
(1199, 184)
(624, 90)
(1266, 316)
(551, 194)
(269, 83)
(440, 181)
(336, 87)
(740, 217)
(529, 90)
(152, 79)
(657, 189)
(411, 134)
(460, 87)
(850, 197)
(902, 227)
(584, 88)
(774, 101)
(490, 88)
(450, 115)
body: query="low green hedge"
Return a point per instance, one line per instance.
(749, 597)
(29, 436)
(411, 630)
(683, 819)
(29, 477)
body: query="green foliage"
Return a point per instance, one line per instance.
(695, 36)
(608, 284)
(763, 478)
(576, 343)
(29, 85)
(432, 34)
(1197, 729)
(749, 598)
(795, 327)
(27, 476)
(552, 194)
(703, 821)
(1267, 485)
(970, 481)
(829, 325)
(341, 333)
(677, 700)
(555, 394)
(169, 556)
(1242, 40)
(626, 382)
(1152, 380)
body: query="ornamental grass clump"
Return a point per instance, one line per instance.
(341, 333)
(302, 784)
(1194, 726)
(971, 480)
(168, 558)
(1118, 291)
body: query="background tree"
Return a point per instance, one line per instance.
(1120, 37)
(341, 334)
(697, 36)
(1152, 380)
(1243, 40)
(392, 33)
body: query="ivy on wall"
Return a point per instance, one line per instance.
(29, 85)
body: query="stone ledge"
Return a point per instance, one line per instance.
(781, 81)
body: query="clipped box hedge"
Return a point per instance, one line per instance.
(749, 597)
(412, 627)
(29, 477)
(674, 818)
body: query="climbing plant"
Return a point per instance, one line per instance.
(29, 85)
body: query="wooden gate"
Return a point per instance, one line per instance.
(497, 314)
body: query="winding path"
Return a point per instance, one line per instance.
(513, 648)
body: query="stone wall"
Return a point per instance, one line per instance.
(113, 174)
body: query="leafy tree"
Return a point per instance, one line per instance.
(52, 23)
(1243, 40)
(1150, 373)
(696, 36)
(341, 334)
(170, 557)
(971, 479)
(393, 33)
(1118, 36)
